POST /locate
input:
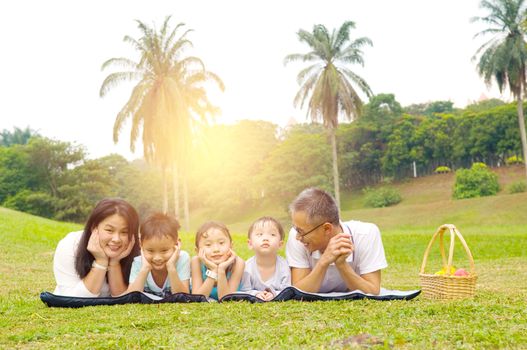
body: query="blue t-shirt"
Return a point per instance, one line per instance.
(214, 292)
(183, 271)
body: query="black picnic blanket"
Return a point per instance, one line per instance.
(289, 293)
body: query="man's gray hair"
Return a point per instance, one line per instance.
(318, 205)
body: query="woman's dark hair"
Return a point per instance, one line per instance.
(105, 208)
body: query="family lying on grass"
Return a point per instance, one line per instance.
(110, 258)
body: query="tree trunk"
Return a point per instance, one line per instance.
(165, 191)
(336, 184)
(185, 204)
(521, 122)
(175, 184)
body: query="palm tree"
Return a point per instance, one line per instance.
(166, 103)
(327, 81)
(503, 58)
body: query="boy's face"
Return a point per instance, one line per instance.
(157, 251)
(216, 245)
(265, 239)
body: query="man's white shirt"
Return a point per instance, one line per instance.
(368, 255)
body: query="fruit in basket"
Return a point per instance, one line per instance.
(461, 272)
(442, 272)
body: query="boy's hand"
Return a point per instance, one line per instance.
(124, 253)
(94, 247)
(145, 265)
(208, 264)
(171, 263)
(225, 265)
(265, 295)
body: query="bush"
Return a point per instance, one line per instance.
(514, 160)
(36, 203)
(442, 170)
(518, 187)
(479, 181)
(381, 197)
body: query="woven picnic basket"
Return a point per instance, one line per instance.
(448, 286)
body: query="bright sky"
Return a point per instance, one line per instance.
(52, 52)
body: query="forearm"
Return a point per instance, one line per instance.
(224, 286)
(94, 280)
(205, 288)
(176, 285)
(312, 281)
(138, 285)
(116, 280)
(355, 281)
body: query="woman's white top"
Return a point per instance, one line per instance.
(68, 281)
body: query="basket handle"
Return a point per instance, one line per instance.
(453, 233)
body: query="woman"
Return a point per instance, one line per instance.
(96, 262)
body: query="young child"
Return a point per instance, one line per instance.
(162, 268)
(216, 270)
(266, 273)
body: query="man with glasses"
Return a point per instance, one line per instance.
(327, 255)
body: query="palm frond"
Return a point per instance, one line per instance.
(343, 34)
(114, 79)
(120, 62)
(308, 71)
(300, 57)
(363, 85)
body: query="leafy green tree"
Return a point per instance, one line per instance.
(166, 102)
(49, 161)
(327, 81)
(17, 136)
(504, 57)
(484, 105)
(437, 107)
(301, 160)
(15, 172)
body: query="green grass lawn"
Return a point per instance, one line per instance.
(494, 227)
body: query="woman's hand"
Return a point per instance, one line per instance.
(124, 253)
(208, 264)
(171, 263)
(225, 265)
(94, 247)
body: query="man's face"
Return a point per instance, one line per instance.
(314, 236)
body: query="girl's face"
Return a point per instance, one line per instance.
(113, 235)
(216, 245)
(157, 251)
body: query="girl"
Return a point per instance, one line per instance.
(216, 270)
(96, 261)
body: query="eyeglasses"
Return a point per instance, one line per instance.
(302, 235)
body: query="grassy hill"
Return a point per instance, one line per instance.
(427, 203)
(494, 228)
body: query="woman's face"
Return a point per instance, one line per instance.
(216, 245)
(113, 235)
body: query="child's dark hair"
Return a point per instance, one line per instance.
(267, 219)
(202, 231)
(159, 225)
